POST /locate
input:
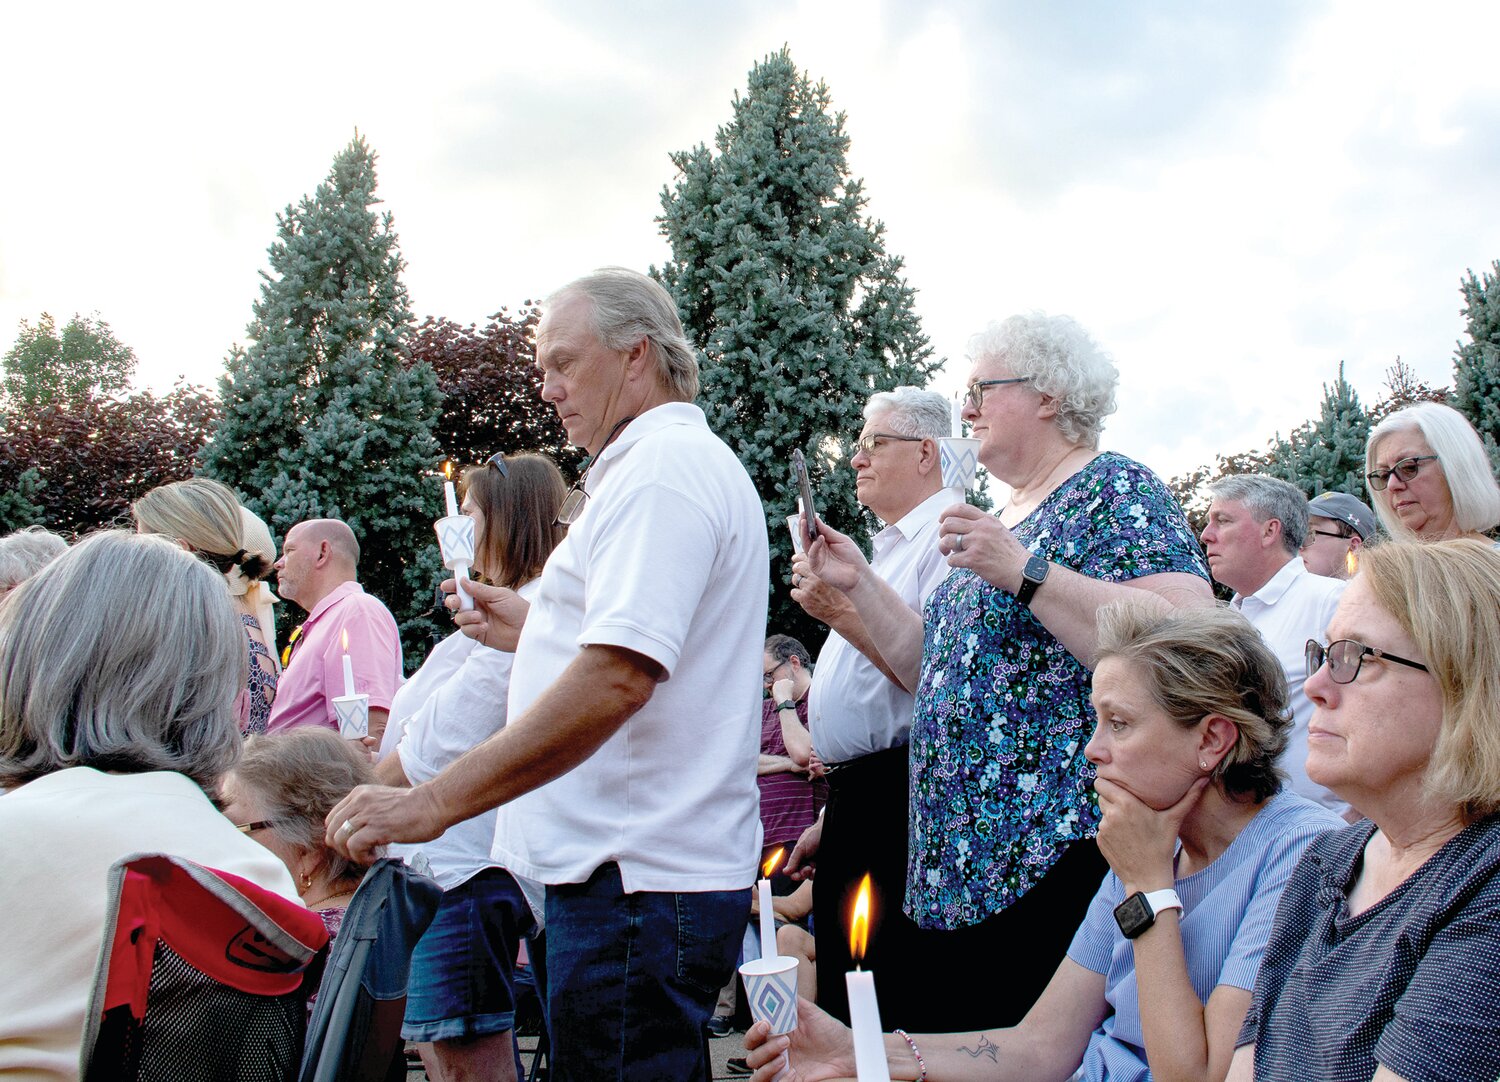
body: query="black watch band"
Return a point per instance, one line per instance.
(1032, 576)
(788, 705)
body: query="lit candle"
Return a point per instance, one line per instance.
(450, 498)
(767, 917)
(864, 1012)
(1351, 563)
(348, 666)
(958, 415)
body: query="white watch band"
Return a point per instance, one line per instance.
(1161, 900)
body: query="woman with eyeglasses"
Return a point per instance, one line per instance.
(460, 1006)
(1384, 961)
(279, 793)
(1430, 478)
(1002, 857)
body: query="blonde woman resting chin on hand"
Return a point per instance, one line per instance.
(1200, 839)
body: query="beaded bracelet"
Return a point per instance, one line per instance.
(921, 1065)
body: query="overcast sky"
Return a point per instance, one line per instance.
(1231, 197)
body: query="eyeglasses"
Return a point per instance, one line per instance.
(975, 392)
(867, 444)
(770, 677)
(250, 828)
(1407, 469)
(1325, 533)
(498, 461)
(572, 505)
(1345, 656)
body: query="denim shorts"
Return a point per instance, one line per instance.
(463, 967)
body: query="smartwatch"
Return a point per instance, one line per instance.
(788, 705)
(1032, 576)
(1138, 912)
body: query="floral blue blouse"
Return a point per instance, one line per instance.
(999, 784)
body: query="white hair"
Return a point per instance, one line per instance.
(1268, 498)
(123, 654)
(627, 306)
(1466, 467)
(912, 412)
(27, 551)
(1061, 360)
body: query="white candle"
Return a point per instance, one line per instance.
(958, 415)
(767, 921)
(348, 667)
(864, 1018)
(450, 498)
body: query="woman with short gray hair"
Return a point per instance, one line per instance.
(279, 794)
(1002, 854)
(24, 553)
(111, 740)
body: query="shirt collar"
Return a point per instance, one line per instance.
(651, 422)
(333, 597)
(1278, 584)
(912, 523)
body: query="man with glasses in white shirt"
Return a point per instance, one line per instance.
(859, 713)
(626, 777)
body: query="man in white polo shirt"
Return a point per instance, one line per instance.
(859, 714)
(626, 779)
(1256, 526)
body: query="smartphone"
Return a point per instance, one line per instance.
(804, 488)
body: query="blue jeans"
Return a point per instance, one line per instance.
(632, 978)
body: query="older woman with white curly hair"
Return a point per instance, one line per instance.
(111, 741)
(1002, 856)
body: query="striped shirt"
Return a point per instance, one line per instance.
(1226, 919)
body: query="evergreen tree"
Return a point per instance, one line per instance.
(321, 416)
(1327, 455)
(45, 366)
(786, 286)
(1476, 365)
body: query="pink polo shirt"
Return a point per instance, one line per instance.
(315, 675)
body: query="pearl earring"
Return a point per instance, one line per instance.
(1202, 764)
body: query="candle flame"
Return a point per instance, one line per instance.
(448, 469)
(345, 634)
(773, 861)
(1351, 562)
(859, 922)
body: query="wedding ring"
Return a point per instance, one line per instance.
(348, 827)
(958, 543)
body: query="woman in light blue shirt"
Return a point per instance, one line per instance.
(1192, 714)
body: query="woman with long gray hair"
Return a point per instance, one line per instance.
(111, 740)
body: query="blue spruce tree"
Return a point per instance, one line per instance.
(786, 287)
(321, 418)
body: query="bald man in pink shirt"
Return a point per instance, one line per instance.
(317, 571)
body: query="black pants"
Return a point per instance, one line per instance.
(926, 979)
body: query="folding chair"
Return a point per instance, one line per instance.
(201, 977)
(355, 1029)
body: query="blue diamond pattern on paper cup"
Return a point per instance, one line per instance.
(455, 534)
(959, 456)
(771, 987)
(353, 712)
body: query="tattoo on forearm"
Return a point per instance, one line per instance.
(986, 1048)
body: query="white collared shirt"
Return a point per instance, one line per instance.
(1294, 606)
(670, 560)
(854, 709)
